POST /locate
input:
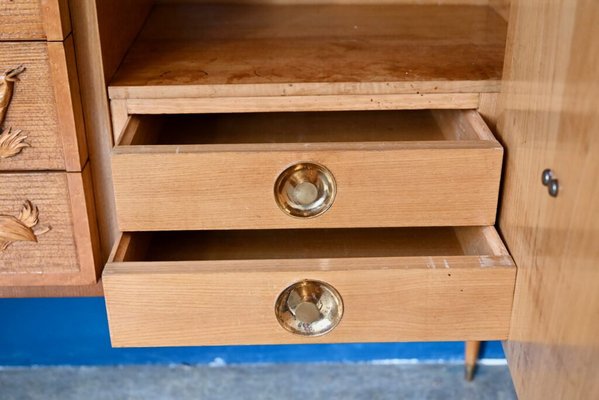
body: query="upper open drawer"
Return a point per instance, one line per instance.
(306, 170)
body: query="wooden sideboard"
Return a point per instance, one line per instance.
(130, 164)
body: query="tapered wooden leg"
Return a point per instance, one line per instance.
(472, 349)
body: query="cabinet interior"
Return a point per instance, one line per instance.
(277, 49)
(306, 243)
(300, 127)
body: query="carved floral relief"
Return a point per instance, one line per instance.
(21, 228)
(12, 141)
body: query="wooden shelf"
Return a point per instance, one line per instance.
(223, 50)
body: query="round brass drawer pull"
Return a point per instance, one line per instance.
(309, 308)
(305, 190)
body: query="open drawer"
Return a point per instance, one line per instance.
(306, 170)
(358, 285)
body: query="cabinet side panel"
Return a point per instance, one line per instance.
(550, 120)
(103, 31)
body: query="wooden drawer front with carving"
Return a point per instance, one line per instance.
(47, 229)
(34, 20)
(40, 107)
(343, 285)
(306, 170)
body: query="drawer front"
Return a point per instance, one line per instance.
(223, 302)
(34, 20)
(391, 187)
(238, 186)
(40, 109)
(47, 229)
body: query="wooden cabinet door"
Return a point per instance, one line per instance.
(550, 119)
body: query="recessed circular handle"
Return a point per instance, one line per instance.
(305, 190)
(309, 308)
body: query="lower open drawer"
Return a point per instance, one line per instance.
(353, 285)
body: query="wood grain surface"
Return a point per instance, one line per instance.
(212, 302)
(71, 127)
(34, 20)
(63, 252)
(502, 7)
(414, 178)
(223, 50)
(550, 120)
(56, 18)
(33, 107)
(45, 107)
(292, 2)
(85, 225)
(257, 244)
(102, 31)
(94, 290)
(302, 103)
(55, 251)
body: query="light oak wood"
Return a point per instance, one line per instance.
(397, 92)
(224, 50)
(68, 103)
(56, 19)
(391, 169)
(300, 128)
(34, 20)
(21, 19)
(120, 115)
(52, 239)
(306, 244)
(502, 7)
(32, 108)
(292, 2)
(550, 120)
(94, 290)
(118, 23)
(65, 242)
(396, 285)
(489, 110)
(472, 349)
(103, 31)
(303, 103)
(85, 224)
(45, 106)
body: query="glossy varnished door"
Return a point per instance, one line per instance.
(550, 119)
